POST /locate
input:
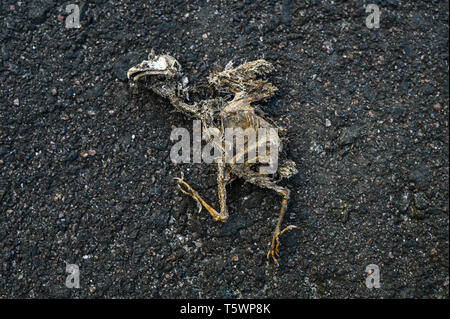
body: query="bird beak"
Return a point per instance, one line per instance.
(158, 65)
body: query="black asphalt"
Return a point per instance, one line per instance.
(86, 177)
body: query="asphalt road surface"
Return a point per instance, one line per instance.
(86, 177)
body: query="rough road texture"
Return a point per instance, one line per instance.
(86, 178)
